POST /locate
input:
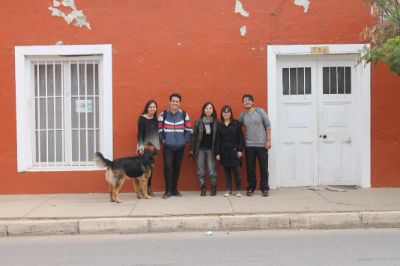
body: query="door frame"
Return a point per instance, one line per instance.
(363, 106)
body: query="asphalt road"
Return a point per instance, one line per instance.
(314, 247)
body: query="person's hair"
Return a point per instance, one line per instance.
(146, 107)
(251, 98)
(226, 108)
(175, 94)
(202, 113)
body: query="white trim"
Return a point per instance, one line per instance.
(363, 114)
(23, 55)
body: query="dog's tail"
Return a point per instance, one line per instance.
(101, 161)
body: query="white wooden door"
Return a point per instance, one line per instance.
(316, 113)
(298, 124)
(335, 123)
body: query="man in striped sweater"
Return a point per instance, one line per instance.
(175, 130)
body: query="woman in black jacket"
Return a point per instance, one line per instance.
(148, 132)
(229, 147)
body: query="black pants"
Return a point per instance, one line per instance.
(261, 154)
(172, 167)
(228, 177)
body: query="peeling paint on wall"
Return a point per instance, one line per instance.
(239, 9)
(243, 30)
(75, 14)
(303, 3)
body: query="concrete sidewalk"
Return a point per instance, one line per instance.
(286, 208)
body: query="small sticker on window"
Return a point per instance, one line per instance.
(83, 106)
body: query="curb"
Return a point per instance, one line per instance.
(289, 221)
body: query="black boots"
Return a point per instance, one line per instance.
(213, 190)
(203, 190)
(212, 193)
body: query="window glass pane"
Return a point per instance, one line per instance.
(90, 84)
(300, 80)
(83, 147)
(51, 139)
(293, 81)
(333, 80)
(74, 79)
(82, 81)
(340, 80)
(59, 113)
(37, 113)
(325, 80)
(50, 80)
(50, 113)
(348, 80)
(42, 80)
(59, 146)
(285, 81)
(96, 79)
(43, 146)
(91, 142)
(58, 80)
(308, 80)
(91, 112)
(42, 113)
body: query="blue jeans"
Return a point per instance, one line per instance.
(206, 156)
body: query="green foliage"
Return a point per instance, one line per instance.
(384, 34)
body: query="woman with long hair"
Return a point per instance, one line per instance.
(202, 148)
(148, 132)
(228, 149)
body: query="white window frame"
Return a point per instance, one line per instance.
(24, 101)
(363, 114)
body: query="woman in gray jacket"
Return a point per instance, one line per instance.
(203, 141)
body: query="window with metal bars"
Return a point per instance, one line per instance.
(66, 112)
(336, 80)
(296, 80)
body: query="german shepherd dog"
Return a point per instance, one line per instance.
(138, 168)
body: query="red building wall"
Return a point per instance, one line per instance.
(195, 48)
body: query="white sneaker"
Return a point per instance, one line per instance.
(227, 194)
(238, 194)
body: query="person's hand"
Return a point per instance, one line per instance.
(218, 157)
(239, 154)
(268, 145)
(140, 151)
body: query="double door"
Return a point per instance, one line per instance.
(316, 122)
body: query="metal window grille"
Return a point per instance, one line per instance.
(296, 81)
(66, 112)
(336, 80)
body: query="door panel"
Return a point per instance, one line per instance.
(336, 112)
(297, 124)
